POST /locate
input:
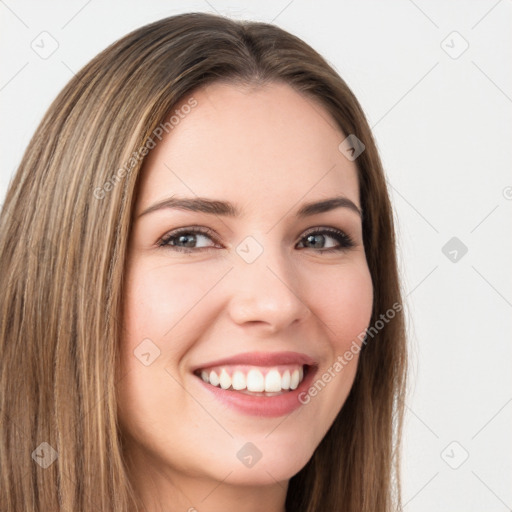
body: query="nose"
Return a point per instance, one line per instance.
(267, 292)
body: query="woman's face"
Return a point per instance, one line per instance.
(253, 301)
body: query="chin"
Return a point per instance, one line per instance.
(280, 458)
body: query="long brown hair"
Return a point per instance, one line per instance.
(64, 229)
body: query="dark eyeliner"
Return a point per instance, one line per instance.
(165, 240)
(345, 241)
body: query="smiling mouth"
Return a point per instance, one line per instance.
(255, 380)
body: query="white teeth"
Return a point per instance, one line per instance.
(224, 379)
(273, 381)
(214, 379)
(238, 380)
(285, 381)
(294, 381)
(255, 381)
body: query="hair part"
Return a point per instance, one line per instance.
(63, 258)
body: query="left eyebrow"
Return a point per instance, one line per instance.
(326, 205)
(225, 208)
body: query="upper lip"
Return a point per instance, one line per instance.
(261, 359)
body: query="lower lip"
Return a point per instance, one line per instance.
(268, 406)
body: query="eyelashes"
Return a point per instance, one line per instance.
(345, 241)
(169, 240)
(191, 235)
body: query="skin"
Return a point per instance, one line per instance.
(268, 149)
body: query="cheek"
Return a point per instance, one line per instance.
(160, 300)
(344, 303)
(161, 318)
(164, 313)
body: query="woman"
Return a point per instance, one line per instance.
(201, 305)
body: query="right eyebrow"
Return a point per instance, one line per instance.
(198, 204)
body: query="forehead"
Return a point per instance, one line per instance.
(249, 143)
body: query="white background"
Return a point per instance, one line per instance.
(443, 128)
